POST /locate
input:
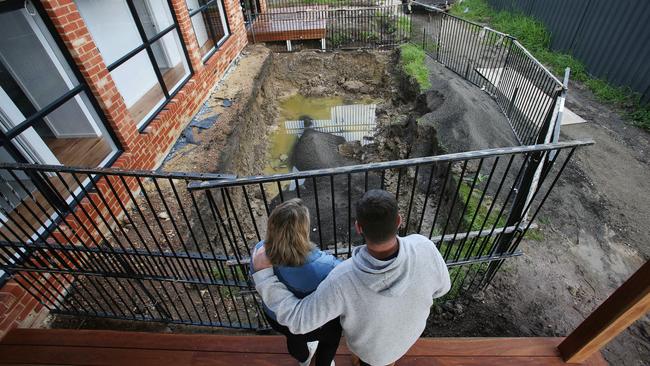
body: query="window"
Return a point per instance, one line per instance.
(140, 43)
(210, 24)
(47, 116)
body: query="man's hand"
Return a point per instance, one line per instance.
(260, 260)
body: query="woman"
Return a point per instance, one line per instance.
(301, 267)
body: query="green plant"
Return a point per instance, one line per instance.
(536, 38)
(478, 208)
(338, 38)
(534, 234)
(403, 25)
(369, 36)
(412, 60)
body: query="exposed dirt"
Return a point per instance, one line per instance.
(594, 236)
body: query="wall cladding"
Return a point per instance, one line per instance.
(611, 38)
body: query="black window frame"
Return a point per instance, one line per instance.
(81, 88)
(205, 58)
(146, 44)
(37, 117)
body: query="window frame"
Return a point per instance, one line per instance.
(81, 88)
(30, 121)
(146, 45)
(217, 45)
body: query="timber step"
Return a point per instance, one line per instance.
(93, 347)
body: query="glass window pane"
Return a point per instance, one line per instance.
(154, 15)
(33, 72)
(138, 85)
(72, 135)
(215, 17)
(171, 60)
(209, 24)
(111, 26)
(206, 44)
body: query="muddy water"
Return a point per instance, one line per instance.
(354, 119)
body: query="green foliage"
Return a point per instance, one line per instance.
(369, 36)
(412, 61)
(338, 39)
(482, 211)
(403, 25)
(536, 38)
(534, 234)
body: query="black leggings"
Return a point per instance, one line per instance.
(328, 337)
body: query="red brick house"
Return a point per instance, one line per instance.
(104, 84)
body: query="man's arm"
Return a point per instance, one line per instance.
(299, 315)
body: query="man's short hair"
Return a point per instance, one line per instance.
(377, 215)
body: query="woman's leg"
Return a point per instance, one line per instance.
(296, 344)
(328, 342)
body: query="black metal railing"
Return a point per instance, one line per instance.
(175, 247)
(332, 25)
(523, 88)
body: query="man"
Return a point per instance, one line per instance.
(382, 294)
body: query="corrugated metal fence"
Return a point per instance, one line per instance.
(610, 37)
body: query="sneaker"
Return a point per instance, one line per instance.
(312, 346)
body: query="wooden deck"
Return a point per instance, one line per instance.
(293, 23)
(91, 347)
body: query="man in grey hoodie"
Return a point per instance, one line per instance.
(383, 294)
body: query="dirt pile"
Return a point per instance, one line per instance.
(318, 150)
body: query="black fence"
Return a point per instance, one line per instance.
(496, 62)
(603, 34)
(331, 24)
(175, 247)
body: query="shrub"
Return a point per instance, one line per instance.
(412, 61)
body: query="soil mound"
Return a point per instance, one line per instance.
(465, 117)
(318, 150)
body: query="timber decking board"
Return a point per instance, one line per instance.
(92, 347)
(281, 24)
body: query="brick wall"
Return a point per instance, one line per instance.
(142, 151)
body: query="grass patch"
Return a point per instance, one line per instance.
(412, 61)
(404, 25)
(482, 210)
(537, 39)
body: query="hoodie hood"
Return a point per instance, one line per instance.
(387, 278)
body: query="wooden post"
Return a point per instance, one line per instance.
(627, 304)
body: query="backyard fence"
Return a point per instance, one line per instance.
(175, 247)
(603, 34)
(523, 88)
(331, 24)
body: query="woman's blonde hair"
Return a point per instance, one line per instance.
(287, 234)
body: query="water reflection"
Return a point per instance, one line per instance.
(354, 120)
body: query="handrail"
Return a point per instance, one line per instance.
(114, 171)
(390, 164)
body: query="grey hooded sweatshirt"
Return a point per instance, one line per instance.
(383, 305)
